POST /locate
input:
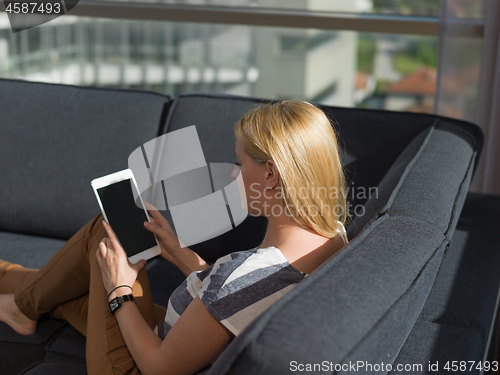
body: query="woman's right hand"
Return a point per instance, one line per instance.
(168, 240)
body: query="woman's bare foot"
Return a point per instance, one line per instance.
(13, 317)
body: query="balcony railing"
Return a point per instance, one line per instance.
(260, 16)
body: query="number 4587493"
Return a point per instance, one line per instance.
(25, 8)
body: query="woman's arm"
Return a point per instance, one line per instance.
(195, 340)
(188, 261)
(182, 257)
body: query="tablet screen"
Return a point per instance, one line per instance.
(126, 219)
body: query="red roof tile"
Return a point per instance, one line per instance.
(420, 82)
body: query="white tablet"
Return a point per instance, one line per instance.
(116, 199)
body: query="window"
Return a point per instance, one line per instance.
(336, 67)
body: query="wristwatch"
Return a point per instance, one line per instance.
(117, 302)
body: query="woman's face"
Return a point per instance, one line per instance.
(253, 175)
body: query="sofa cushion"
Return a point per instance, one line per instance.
(69, 346)
(444, 168)
(371, 141)
(54, 341)
(381, 194)
(459, 313)
(394, 327)
(19, 352)
(56, 368)
(28, 250)
(55, 139)
(442, 165)
(465, 274)
(455, 344)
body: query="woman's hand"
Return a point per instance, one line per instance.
(169, 243)
(183, 258)
(115, 267)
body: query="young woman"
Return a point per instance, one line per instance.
(288, 156)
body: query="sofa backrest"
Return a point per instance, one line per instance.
(370, 142)
(362, 304)
(55, 139)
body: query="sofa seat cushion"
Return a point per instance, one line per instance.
(54, 339)
(20, 352)
(56, 368)
(27, 250)
(433, 342)
(69, 346)
(456, 322)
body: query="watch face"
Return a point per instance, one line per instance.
(113, 306)
(118, 301)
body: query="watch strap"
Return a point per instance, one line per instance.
(117, 302)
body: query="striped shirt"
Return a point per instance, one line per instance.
(237, 288)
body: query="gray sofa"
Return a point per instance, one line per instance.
(417, 284)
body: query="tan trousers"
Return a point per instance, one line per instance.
(70, 287)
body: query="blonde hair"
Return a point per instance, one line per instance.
(301, 141)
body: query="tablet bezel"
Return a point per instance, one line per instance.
(113, 178)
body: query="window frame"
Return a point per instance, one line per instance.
(279, 17)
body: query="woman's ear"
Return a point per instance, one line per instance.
(272, 175)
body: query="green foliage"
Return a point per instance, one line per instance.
(380, 87)
(425, 52)
(420, 52)
(366, 53)
(405, 64)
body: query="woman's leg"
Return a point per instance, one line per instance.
(106, 348)
(76, 311)
(63, 281)
(64, 278)
(70, 287)
(106, 351)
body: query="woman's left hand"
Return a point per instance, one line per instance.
(115, 267)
